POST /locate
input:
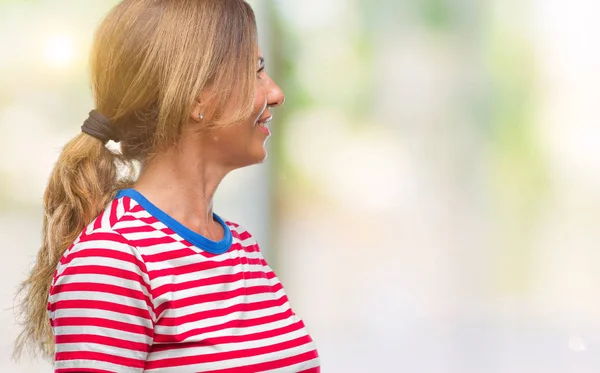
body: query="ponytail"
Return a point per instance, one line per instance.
(82, 183)
(149, 63)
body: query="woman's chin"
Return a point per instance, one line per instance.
(258, 157)
(262, 157)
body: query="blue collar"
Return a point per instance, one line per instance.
(214, 247)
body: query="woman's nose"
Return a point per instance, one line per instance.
(276, 96)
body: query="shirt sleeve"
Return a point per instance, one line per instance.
(100, 307)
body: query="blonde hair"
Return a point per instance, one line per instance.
(150, 62)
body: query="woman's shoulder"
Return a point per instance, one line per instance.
(103, 236)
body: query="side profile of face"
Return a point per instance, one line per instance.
(243, 143)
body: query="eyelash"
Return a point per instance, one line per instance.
(262, 69)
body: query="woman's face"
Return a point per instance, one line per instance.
(243, 143)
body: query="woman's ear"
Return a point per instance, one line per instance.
(203, 107)
(197, 114)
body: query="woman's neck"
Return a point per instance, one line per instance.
(183, 187)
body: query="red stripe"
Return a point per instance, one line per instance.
(221, 279)
(281, 363)
(102, 288)
(202, 315)
(103, 323)
(63, 259)
(191, 268)
(270, 275)
(253, 261)
(205, 254)
(254, 248)
(103, 270)
(126, 203)
(241, 235)
(103, 340)
(232, 224)
(221, 356)
(144, 229)
(146, 242)
(141, 229)
(144, 219)
(203, 266)
(243, 323)
(105, 236)
(81, 370)
(203, 298)
(234, 338)
(169, 255)
(101, 305)
(113, 212)
(217, 297)
(167, 230)
(98, 356)
(98, 221)
(137, 208)
(105, 253)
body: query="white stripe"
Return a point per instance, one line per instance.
(99, 296)
(94, 243)
(186, 260)
(251, 254)
(100, 314)
(194, 276)
(101, 348)
(219, 320)
(216, 288)
(120, 208)
(103, 314)
(103, 262)
(247, 242)
(250, 329)
(103, 279)
(106, 217)
(239, 230)
(145, 235)
(198, 259)
(136, 223)
(143, 214)
(162, 248)
(95, 364)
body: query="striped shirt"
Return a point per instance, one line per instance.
(139, 292)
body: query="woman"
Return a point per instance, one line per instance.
(138, 274)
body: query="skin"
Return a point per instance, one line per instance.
(182, 180)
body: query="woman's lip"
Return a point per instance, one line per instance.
(265, 129)
(263, 124)
(266, 120)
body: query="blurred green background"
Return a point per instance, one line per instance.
(431, 200)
